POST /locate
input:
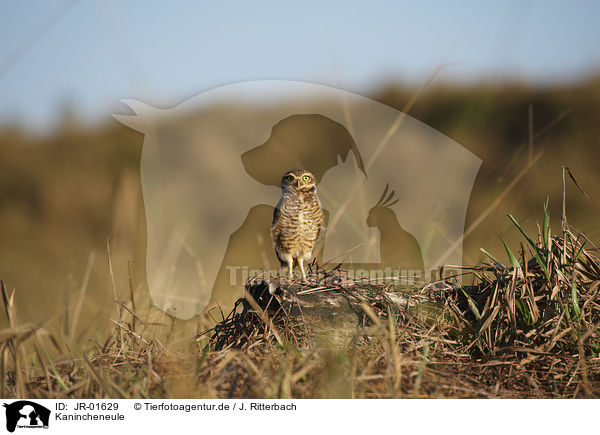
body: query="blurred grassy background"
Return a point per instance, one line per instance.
(65, 194)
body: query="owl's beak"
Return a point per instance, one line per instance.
(298, 183)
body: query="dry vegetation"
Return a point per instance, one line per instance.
(528, 329)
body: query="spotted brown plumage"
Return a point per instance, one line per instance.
(297, 220)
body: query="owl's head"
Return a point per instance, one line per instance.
(298, 180)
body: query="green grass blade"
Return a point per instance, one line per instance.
(514, 221)
(545, 233)
(536, 251)
(574, 300)
(60, 381)
(512, 258)
(576, 257)
(522, 311)
(492, 257)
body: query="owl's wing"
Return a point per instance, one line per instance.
(320, 229)
(277, 212)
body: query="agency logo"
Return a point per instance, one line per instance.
(394, 191)
(25, 414)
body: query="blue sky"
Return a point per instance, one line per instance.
(94, 53)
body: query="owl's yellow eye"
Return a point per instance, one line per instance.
(306, 178)
(289, 177)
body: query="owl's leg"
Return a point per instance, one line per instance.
(301, 264)
(287, 260)
(290, 263)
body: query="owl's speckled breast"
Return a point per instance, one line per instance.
(297, 219)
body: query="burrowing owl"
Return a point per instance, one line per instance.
(297, 220)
